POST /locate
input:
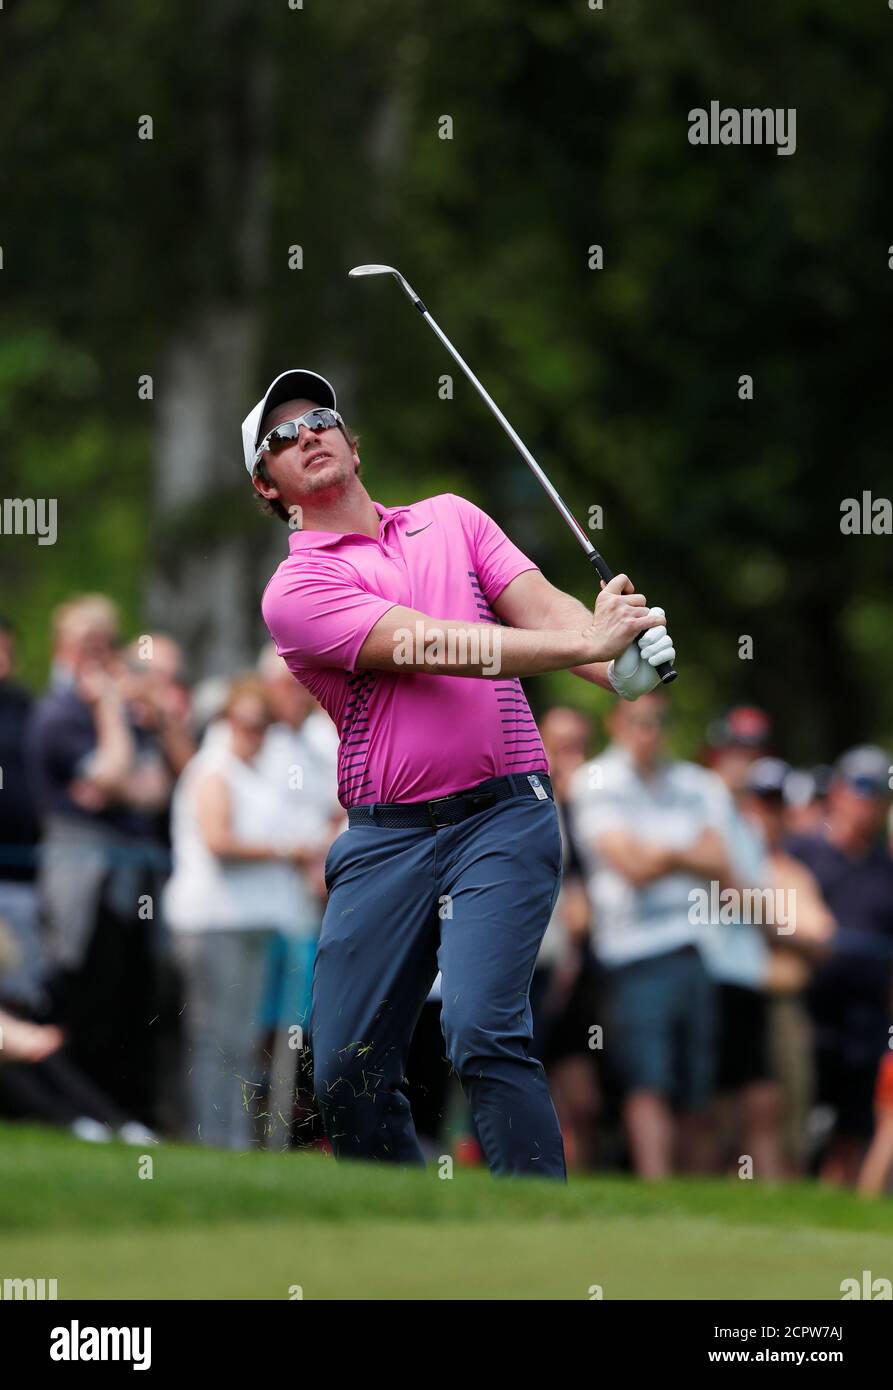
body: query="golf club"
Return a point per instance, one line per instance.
(666, 671)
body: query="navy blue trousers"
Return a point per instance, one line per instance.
(473, 900)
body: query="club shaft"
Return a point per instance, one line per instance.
(666, 672)
(513, 435)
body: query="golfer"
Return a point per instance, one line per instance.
(412, 626)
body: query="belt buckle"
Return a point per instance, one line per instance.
(432, 813)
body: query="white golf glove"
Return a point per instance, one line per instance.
(634, 673)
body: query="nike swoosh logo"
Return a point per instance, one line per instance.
(421, 528)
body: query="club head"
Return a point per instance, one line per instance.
(361, 270)
(373, 270)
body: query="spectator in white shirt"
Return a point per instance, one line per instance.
(235, 882)
(643, 824)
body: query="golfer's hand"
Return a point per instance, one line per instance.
(620, 616)
(634, 672)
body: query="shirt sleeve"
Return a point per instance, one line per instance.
(319, 614)
(497, 560)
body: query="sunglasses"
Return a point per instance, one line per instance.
(287, 432)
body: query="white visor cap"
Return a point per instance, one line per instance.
(298, 384)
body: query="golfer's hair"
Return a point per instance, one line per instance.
(271, 506)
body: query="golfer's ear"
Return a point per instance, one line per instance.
(267, 490)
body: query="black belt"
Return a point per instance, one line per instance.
(450, 810)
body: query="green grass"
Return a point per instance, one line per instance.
(214, 1225)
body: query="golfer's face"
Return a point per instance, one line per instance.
(317, 461)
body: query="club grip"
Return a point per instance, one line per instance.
(666, 670)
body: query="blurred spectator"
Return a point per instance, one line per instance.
(299, 758)
(736, 953)
(294, 707)
(101, 782)
(21, 1041)
(563, 994)
(19, 832)
(877, 1170)
(40, 1081)
(806, 795)
(644, 830)
(208, 698)
(851, 990)
(734, 740)
(159, 707)
(791, 957)
(96, 780)
(234, 884)
(158, 696)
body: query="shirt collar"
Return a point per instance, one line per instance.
(315, 540)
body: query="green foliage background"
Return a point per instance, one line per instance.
(569, 129)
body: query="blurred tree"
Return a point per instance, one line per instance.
(320, 128)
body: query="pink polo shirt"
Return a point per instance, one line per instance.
(404, 736)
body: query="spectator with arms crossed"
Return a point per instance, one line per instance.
(643, 824)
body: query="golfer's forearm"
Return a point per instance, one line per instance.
(409, 642)
(596, 672)
(504, 651)
(565, 611)
(528, 652)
